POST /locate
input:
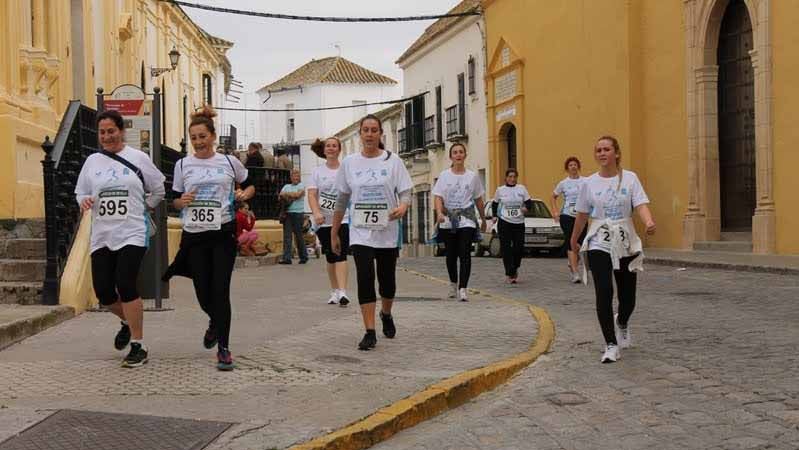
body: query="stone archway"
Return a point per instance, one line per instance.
(508, 148)
(702, 221)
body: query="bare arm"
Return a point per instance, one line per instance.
(646, 217)
(313, 202)
(579, 226)
(439, 206)
(481, 211)
(555, 209)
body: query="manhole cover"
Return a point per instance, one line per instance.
(567, 399)
(85, 430)
(421, 299)
(338, 359)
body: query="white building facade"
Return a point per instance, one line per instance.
(324, 83)
(446, 64)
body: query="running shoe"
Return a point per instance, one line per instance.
(122, 338)
(368, 342)
(333, 300)
(611, 354)
(343, 301)
(224, 360)
(462, 295)
(209, 339)
(303, 261)
(389, 330)
(576, 278)
(453, 290)
(136, 357)
(284, 261)
(623, 336)
(514, 280)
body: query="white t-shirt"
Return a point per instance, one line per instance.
(323, 180)
(511, 200)
(459, 191)
(569, 188)
(603, 198)
(118, 214)
(373, 185)
(213, 180)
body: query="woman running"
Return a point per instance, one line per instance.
(614, 249)
(119, 184)
(569, 188)
(322, 197)
(511, 203)
(456, 193)
(207, 185)
(377, 187)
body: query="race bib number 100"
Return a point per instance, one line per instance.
(203, 215)
(113, 205)
(370, 215)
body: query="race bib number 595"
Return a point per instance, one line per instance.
(113, 205)
(370, 215)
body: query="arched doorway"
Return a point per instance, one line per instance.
(510, 142)
(736, 117)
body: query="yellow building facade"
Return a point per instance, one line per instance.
(52, 51)
(698, 92)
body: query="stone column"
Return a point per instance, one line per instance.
(764, 222)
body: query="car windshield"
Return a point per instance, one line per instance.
(538, 211)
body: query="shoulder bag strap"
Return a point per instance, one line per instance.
(127, 164)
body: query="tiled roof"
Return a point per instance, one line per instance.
(217, 41)
(329, 70)
(438, 27)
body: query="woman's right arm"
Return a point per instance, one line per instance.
(83, 190)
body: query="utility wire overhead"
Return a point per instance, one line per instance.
(387, 102)
(472, 12)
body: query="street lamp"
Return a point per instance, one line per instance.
(174, 56)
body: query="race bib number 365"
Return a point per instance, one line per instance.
(202, 215)
(113, 205)
(370, 215)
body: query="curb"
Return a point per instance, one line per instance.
(721, 265)
(440, 397)
(18, 330)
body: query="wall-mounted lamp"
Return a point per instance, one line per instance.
(174, 57)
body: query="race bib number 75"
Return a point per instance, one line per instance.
(370, 215)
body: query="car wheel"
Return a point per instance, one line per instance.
(494, 247)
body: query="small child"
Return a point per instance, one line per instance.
(245, 220)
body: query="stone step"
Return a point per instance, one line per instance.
(21, 293)
(724, 246)
(18, 322)
(22, 270)
(23, 249)
(22, 229)
(736, 236)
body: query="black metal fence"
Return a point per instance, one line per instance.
(268, 183)
(63, 159)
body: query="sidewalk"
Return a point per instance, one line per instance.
(749, 262)
(299, 373)
(18, 322)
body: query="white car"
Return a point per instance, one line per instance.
(541, 232)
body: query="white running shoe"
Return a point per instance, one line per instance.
(462, 295)
(333, 300)
(453, 290)
(623, 336)
(611, 355)
(576, 278)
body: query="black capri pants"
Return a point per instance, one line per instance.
(366, 258)
(324, 238)
(567, 225)
(602, 270)
(114, 273)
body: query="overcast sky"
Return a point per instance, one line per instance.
(267, 49)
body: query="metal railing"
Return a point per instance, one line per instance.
(63, 158)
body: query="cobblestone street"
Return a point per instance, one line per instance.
(714, 366)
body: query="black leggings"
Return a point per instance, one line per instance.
(511, 240)
(365, 259)
(459, 247)
(114, 273)
(211, 265)
(601, 268)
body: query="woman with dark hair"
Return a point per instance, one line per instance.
(612, 245)
(322, 197)
(254, 156)
(376, 186)
(119, 184)
(207, 185)
(569, 188)
(456, 193)
(511, 202)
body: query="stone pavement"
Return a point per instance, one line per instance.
(715, 366)
(751, 262)
(300, 374)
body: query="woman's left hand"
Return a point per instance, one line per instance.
(398, 212)
(650, 227)
(240, 195)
